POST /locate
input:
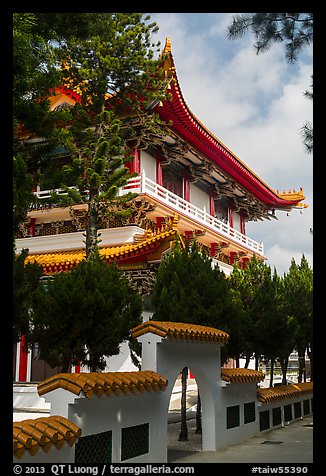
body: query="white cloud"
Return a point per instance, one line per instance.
(255, 105)
(280, 258)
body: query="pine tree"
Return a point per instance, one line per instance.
(26, 281)
(299, 295)
(84, 314)
(295, 29)
(188, 289)
(108, 59)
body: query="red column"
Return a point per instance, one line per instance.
(230, 211)
(77, 368)
(242, 224)
(211, 203)
(23, 356)
(159, 171)
(32, 227)
(134, 165)
(186, 188)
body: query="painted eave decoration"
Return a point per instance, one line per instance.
(180, 331)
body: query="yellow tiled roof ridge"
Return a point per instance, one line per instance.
(181, 331)
(241, 375)
(44, 432)
(67, 258)
(105, 383)
(281, 392)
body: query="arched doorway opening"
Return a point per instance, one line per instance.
(184, 431)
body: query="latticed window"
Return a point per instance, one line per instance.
(94, 448)
(264, 420)
(232, 416)
(297, 410)
(306, 407)
(249, 412)
(134, 441)
(277, 416)
(288, 412)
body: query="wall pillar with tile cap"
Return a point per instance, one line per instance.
(168, 357)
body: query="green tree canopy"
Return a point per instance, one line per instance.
(84, 314)
(299, 301)
(109, 59)
(187, 289)
(294, 29)
(26, 281)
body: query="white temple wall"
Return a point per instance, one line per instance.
(148, 163)
(198, 197)
(236, 221)
(234, 398)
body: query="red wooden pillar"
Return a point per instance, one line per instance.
(77, 368)
(230, 212)
(32, 227)
(186, 187)
(242, 224)
(134, 165)
(159, 171)
(23, 360)
(211, 203)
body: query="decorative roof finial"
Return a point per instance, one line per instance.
(167, 47)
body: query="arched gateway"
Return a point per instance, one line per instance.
(167, 347)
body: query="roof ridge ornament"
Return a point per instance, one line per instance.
(168, 46)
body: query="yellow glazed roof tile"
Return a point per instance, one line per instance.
(281, 392)
(105, 383)
(238, 375)
(181, 331)
(30, 435)
(63, 261)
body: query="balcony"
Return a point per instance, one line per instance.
(145, 186)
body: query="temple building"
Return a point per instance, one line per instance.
(188, 184)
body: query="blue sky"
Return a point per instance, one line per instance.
(255, 105)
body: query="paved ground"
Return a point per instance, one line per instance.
(290, 444)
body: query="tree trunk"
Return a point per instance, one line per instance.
(183, 436)
(91, 230)
(237, 362)
(198, 416)
(284, 365)
(247, 362)
(272, 372)
(301, 358)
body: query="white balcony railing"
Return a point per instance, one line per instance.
(144, 185)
